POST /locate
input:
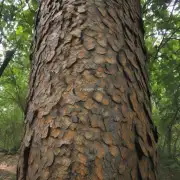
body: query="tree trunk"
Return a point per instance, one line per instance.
(169, 140)
(88, 113)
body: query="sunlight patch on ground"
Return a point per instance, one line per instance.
(8, 163)
(9, 168)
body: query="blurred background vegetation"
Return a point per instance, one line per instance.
(162, 37)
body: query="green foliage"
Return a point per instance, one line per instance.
(16, 29)
(162, 25)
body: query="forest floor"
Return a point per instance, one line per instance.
(8, 164)
(167, 174)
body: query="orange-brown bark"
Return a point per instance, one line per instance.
(88, 113)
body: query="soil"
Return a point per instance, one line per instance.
(8, 164)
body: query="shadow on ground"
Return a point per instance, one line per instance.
(7, 175)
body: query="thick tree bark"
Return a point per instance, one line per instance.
(88, 114)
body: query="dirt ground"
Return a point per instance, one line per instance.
(8, 165)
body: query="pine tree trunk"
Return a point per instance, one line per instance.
(88, 113)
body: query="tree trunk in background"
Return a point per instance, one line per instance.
(88, 114)
(169, 140)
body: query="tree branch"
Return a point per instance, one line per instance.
(9, 55)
